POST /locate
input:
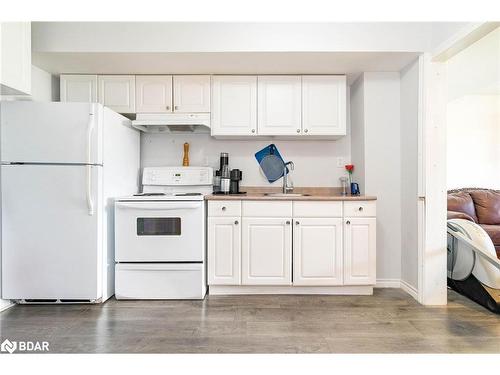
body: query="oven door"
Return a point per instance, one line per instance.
(154, 231)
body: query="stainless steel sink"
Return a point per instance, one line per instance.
(286, 195)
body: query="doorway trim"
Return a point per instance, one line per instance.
(432, 190)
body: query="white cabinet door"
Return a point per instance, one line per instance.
(117, 92)
(279, 105)
(224, 250)
(359, 251)
(78, 88)
(234, 105)
(191, 94)
(266, 250)
(153, 94)
(317, 251)
(15, 58)
(324, 105)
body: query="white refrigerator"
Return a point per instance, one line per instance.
(62, 163)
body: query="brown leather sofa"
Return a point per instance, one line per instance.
(481, 206)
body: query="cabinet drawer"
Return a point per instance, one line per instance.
(224, 208)
(317, 209)
(360, 208)
(266, 209)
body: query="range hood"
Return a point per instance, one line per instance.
(173, 122)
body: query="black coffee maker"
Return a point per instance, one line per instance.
(235, 177)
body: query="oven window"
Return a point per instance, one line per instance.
(158, 226)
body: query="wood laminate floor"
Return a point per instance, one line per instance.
(390, 321)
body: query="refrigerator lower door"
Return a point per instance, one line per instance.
(51, 238)
(38, 132)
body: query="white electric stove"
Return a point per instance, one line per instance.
(160, 246)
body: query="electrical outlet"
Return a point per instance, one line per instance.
(340, 162)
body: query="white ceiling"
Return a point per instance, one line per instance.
(350, 63)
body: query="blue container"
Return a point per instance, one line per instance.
(354, 188)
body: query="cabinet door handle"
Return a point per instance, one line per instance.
(297, 223)
(305, 131)
(288, 222)
(167, 108)
(360, 209)
(176, 107)
(223, 208)
(253, 130)
(348, 222)
(236, 222)
(298, 130)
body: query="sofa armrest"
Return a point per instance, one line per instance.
(459, 215)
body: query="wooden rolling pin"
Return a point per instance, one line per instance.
(185, 160)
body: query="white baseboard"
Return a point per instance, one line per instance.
(5, 304)
(277, 289)
(409, 289)
(388, 283)
(397, 283)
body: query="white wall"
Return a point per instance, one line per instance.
(357, 113)
(315, 161)
(375, 114)
(237, 37)
(473, 150)
(44, 86)
(473, 115)
(383, 166)
(409, 173)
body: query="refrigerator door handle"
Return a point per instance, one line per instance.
(90, 202)
(90, 129)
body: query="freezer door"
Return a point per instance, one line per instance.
(36, 132)
(51, 241)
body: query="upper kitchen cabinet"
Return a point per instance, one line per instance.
(279, 105)
(191, 93)
(15, 58)
(153, 94)
(78, 88)
(117, 92)
(324, 105)
(234, 105)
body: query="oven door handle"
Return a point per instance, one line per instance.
(158, 207)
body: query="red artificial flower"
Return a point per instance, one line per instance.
(349, 168)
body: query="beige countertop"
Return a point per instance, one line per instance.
(313, 194)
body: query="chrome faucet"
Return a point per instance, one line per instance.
(286, 186)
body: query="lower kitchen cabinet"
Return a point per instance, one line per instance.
(266, 250)
(317, 251)
(224, 250)
(360, 250)
(299, 247)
